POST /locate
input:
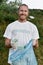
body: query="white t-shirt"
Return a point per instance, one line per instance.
(20, 34)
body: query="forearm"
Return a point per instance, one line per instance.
(8, 46)
(35, 44)
(8, 43)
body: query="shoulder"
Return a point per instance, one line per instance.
(11, 25)
(32, 25)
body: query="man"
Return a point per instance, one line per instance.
(19, 33)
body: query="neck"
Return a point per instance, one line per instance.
(22, 20)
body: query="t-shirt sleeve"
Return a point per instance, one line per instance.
(35, 33)
(7, 33)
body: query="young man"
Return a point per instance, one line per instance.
(19, 33)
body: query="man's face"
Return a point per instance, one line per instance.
(23, 12)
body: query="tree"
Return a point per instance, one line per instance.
(2, 1)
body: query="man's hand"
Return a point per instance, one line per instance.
(13, 45)
(35, 43)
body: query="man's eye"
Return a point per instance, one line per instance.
(25, 10)
(21, 10)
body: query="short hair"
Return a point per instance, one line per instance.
(23, 5)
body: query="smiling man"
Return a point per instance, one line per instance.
(17, 36)
(23, 13)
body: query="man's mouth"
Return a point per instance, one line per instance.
(22, 15)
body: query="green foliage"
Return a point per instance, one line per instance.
(2, 1)
(8, 12)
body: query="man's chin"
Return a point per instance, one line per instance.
(22, 18)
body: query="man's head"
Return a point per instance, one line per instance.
(23, 12)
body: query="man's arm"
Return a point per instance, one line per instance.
(35, 43)
(8, 43)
